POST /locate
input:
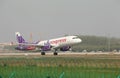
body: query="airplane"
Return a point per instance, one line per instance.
(62, 43)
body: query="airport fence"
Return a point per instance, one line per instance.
(60, 67)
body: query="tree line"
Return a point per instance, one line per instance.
(97, 43)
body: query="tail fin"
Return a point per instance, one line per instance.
(20, 39)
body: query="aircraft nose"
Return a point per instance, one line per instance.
(80, 40)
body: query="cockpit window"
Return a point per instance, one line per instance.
(75, 38)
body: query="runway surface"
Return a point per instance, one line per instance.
(60, 54)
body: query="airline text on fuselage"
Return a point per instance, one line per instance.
(58, 41)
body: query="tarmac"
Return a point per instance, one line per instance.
(60, 54)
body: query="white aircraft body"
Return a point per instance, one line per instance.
(62, 43)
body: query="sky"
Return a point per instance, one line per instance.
(47, 19)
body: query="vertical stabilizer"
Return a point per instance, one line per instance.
(19, 38)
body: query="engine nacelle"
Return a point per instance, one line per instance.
(65, 48)
(46, 48)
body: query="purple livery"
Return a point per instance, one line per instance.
(21, 46)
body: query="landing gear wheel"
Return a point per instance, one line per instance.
(55, 53)
(42, 53)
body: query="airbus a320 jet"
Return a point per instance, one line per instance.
(62, 43)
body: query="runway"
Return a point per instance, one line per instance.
(60, 54)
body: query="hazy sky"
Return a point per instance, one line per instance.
(47, 19)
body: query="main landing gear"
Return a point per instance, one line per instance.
(42, 53)
(55, 53)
